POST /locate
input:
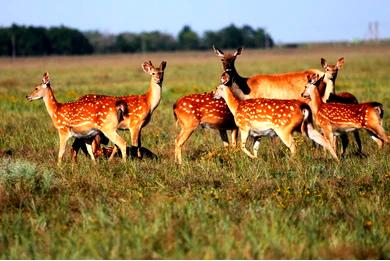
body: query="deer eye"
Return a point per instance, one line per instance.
(153, 73)
(36, 88)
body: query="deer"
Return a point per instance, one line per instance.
(273, 86)
(269, 117)
(95, 142)
(338, 118)
(140, 107)
(81, 119)
(328, 94)
(203, 110)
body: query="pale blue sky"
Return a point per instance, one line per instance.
(286, 21)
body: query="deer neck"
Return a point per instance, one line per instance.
(315, 101)
(239, 85)
(153, 95)
(326, 88)
(50, 102)
(231, 101)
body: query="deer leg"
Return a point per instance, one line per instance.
(179, 142)
(118, 141)
(244, 137)
(224, 137)
(287, 139)
(90, 152)
(76, 146)
(316, 137)
(135, 132)
(234, 137)
(344, 142)
(64, 137)
(256, 146)
(358, 141)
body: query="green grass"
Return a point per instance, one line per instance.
(219, 204)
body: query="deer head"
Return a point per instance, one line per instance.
(313, 81)
(227, 59)
(156, 73)
(40, 90)
(220, 90)
(332, 69)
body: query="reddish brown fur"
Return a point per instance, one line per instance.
(140, 107)
(336, 118)
(266, 117)
(196, 110)
(79, 118)
(278, 86)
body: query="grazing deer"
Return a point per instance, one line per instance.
(196, 110)
(337, 118)
(327, 91)
(140, 107)
(274, 86)
(81, 119)
(267, 117)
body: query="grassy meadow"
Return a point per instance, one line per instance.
(219, 204)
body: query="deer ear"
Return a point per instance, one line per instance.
(147, 66)
(46, 78)
(340, 63)
(238, 52)
(163, 65)
(324, 63)
(217, 51)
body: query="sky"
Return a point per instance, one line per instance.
(286, 21)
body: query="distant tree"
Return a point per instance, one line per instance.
(102, 43)
(68, 41)
(156, 41)
(128, 43)
(188, 39)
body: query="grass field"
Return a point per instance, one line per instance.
(219, 203)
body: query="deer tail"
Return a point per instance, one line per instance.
(122, 109)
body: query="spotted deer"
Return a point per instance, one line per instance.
(269, 117)
(196, 110)
(328, 93)
(274, 86)
(337, 118)
(81, 119)
(140, 107)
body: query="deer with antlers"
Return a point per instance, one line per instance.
(81, 119)
(140, 107)
(269, 117)
(337, 118)
(196, 110)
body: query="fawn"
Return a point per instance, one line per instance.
(81, 119)
(274, 86)
(270, 117)
(328, 93)
(196, 110)
(140, 107)
(337, 118)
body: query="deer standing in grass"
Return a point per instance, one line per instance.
(274, 86)
(196, 110)
(337, 118)
(269, 117)
(327, 91)
(140, 107)
(81, 119)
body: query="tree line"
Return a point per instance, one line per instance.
(19, 40)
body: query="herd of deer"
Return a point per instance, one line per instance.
(262, 105)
